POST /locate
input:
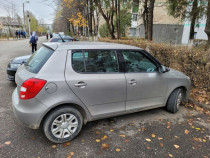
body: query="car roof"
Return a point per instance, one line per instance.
(78, 45)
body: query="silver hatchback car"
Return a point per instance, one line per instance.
(65, 85)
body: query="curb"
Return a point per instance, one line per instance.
(199, 104)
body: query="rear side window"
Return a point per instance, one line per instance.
(95, 61)
(38, 59)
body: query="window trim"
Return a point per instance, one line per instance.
(83, 50)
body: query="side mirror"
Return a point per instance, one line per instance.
(163, 69)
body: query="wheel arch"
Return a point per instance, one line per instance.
(184, 90)
(85, 115)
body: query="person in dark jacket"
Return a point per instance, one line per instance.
(16, 33)
(51, 35)
(33, 41)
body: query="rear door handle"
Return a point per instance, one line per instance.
(133, 82)
(80, 84)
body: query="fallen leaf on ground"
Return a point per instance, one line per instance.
(147, 139)
(197, 128)
(127, 140)
(53, 146)
(176, 146)
(98, 140)
(186, 131)
(153, 135)
(122, 136)
(97, 132)
(82, 140)
(117, 149)
(104, 137)
(170, 155)
(176, 136)
(204, 140)
(159, 138)
(148, 147)
(161, 144)
(111, 130)
(8, 143)
(66, 144)
(105, 146)
(139, 130)
(197, 139)
(70, 155)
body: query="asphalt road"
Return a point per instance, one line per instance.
(153, 133)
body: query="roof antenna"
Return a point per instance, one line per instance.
(61, 38)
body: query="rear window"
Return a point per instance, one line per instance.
(38, 59)
(95, 61)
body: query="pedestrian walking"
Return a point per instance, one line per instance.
(51, 35)
(47, 36)
(16, 34)
(33, 41)
(24, 34)
(19, 34)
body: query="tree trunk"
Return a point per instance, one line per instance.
(91, 18)
(117, 10)
(150, 19)
(107, 18)
(193, 20)
(145, 19)
(207, 28)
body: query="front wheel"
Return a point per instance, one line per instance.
(174, 100)
(63, 124)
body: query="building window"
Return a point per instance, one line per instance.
(134, 17)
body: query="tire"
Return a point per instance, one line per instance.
(174, 100)
(62, 124)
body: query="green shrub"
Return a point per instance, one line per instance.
(103, 30)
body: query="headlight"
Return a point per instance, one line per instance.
(14, 66)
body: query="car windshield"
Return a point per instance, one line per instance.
(38, 59)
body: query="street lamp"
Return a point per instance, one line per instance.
(24, 15)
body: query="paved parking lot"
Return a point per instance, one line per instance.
(154, 133)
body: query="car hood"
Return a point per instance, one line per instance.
(21, 59)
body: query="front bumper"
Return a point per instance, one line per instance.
(30, 112)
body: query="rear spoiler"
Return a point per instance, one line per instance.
(52, 45)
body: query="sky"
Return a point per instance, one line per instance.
(42, 9)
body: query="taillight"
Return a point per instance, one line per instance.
(30, 88)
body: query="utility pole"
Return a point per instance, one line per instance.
(24, 18)
(24, 15)
(29, 28)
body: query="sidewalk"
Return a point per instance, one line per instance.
(11, 39)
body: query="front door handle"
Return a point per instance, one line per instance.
(80, 84)
(132, 82)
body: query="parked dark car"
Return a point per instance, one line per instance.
(66, 39)
(14, 64)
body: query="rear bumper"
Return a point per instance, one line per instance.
(11, 73)
(29, 112)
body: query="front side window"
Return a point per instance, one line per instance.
(98, 61)
(137, 62)
(38, 59)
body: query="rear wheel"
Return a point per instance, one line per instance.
(174, 100)
(63, 124)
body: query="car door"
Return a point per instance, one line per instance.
(146, 86)
(93, 75)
